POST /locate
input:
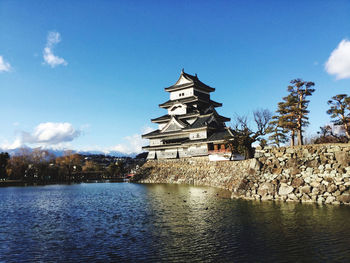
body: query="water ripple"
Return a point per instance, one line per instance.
(152, 223)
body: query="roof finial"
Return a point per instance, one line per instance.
(196, 75)
(182, 70)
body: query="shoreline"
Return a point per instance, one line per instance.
(11, 183)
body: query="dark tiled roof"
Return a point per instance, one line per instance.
(195, 82)
(188, 100)
(151, 133)
(182, 100)
(162, 118)
(220, 135)
(182, 117)
(199, 123)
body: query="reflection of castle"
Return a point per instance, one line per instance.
(192, 126)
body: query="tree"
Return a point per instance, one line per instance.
(292, 112)
(4, 158)
(278, 134)
(243, 136)
(69, 163)
(18, 165)
(91, 166)
(301, 90)
(327, 135)
(339, 111)
(41, 160)
(285, 118)
(116, 169)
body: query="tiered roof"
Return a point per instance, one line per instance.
(200, 114)
(192, 81)
(187, 100)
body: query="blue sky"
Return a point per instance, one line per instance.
(107, 63)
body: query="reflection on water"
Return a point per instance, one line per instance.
(134, 222)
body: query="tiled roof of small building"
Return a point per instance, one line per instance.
(220, 135)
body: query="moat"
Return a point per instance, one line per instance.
(159, 222)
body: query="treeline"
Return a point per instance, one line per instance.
(289, 122)
(41, 166)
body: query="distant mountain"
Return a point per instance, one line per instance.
(111, 153)
(61, 152)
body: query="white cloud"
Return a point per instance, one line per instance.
(51, 133)
(4, 66)
(132, 144)
(50, 58)
(338, 63)
(58, 136)
(45, 134)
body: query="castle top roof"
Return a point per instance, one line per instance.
(187, 81)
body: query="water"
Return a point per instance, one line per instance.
(122, 222)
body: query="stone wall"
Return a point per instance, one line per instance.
(311, 173)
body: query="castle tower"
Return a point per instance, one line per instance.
(192, 126)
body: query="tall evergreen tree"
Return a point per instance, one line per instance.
(278, 134)
(292, 111)
(300, 90)
(340, 111)
(285, 119)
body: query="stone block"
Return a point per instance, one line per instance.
(306, 198)
(285, 189)
(315, 184)
(297, 182)
(305, 189)
(330, 199)
(320, 200)
(331, 188)
(344, 198)
(255, 165)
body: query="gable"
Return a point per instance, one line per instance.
(182, 80)
(173, 125)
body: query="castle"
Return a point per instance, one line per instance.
(192, 126)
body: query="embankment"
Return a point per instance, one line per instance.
(311, 173)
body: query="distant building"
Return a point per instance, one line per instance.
(192, 126)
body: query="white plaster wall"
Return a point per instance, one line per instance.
(198, 135)
(151, 155)
(181, 94)
(153, 142)
(198, 150)
(177, 109)
(170, 153)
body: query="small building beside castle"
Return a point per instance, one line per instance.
(192, 126)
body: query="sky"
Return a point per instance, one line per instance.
(89, 75)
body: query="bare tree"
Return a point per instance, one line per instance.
(244, 136)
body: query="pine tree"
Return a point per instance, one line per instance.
(339, 111)
(278, 134)
(300, 90)
(285, 119)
